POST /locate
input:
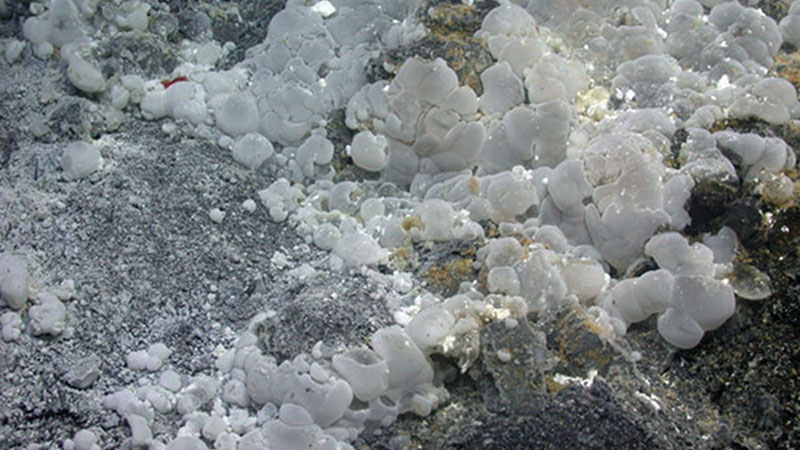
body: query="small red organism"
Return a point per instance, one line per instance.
(168, 83)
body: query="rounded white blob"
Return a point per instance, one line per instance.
(86, 77)
(430, 326)
(238, 114)
(708, 301)
(369, 152)
(504, 279)
(216, 215)
(679, 329)
(251, 150)
(371, 208)
(585, 278)
(356, 248)
(437, 217)
(326, 236)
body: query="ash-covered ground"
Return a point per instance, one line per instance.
(137, 260)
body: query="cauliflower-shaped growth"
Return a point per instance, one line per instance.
(684, 291)
(649, 80)
(773, 100)
(410, 372)
(687, 32)
(357, 248)
(436, 220)
(563, 206)
(369, 151)
(187, 101)
(313, 61)
(367, 373)
(532, 136)
(281, 198)
(502, 89)
(508, 196)
(712, 156)
(748, 41)
(631, 191)
(790, 25)
(424, 116)
(513, 39)
(61, 24)
(638, 35)
(554, 78)
(756, 154)
(512, 36)
(635, 197)
(702, 160)
(295, 428)
(325, 398)
(315, 151)
(620, 230)
(537, 270)
(735, 40)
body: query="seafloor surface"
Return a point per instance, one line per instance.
(135, 258)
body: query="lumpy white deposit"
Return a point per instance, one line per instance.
(568, 150)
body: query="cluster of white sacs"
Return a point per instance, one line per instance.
(321, 400)
(565, 150)
(47, 316)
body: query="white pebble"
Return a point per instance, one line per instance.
(48, 316)
(11, 324)
(510, 323)
(85, 76)
(225, 141)
(135, 85)
(79, 160)
(85, 440)
(161, 399)
(170, 380)
(504, 355)
(324, 8)
(216, 215)
(133, 15)
(280, 260)
(14, 49)
(120, 97)
(778, 189)
(249, 205)
(140, 431)
(159, 350)
(225, 361)
(357, 248)
(585, 278)
(14, 282)
(137, 360)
